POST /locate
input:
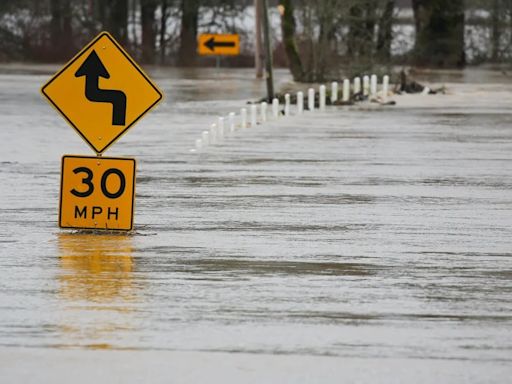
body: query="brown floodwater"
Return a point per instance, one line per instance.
(367, 243)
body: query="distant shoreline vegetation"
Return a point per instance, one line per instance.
(314, 40)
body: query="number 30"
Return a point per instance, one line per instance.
(87, 180)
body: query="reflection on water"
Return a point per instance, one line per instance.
(96, 267)
(96, 277)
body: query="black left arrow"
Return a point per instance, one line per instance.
(212, 44)
(92, 68)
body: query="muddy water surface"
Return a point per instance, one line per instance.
(361, 238)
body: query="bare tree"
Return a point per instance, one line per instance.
(497, 15)
(61, 34)
(361, 23)
(439, 33)
(163, 29)
(288, 25)
(149, 29)
(114, 17)
(188, 32)
(385, 33)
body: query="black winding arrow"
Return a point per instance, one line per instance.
(212, 44)
(92, 68)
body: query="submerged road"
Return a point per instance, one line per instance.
(364, 244)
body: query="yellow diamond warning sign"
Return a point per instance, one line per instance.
(102, 92)
(97, 193)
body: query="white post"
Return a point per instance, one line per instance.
(231, 118)
(322, 98)
(199, 144)
(243, 118)
(213, 133)
(263, 111)
(385, 87)
(254, 112)
(275, 108)
(287, 104)
(311, 99)
(366, 85)
(346, 90)
(373, 86)
(334, 91)
(205, 138)
(220, 126)
(357, 85)
(300, 103)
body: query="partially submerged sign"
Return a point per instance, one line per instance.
(97, 193)
(218, 44)
(102, 92)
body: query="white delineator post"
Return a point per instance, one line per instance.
(300, 103)
(263, 111)
(213, 133)
(321, 101)
(205, 138)
(357, 85)
(373, 86)
(220, 126)
(287, 104)
(254, 113)
(311, 99)
(275, 108)
(199, 144)
(346, 90)
(366, 85)
(243, 118)
(231, 119)
(385, 87)
(334, 91)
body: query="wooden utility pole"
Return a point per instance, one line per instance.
(268, 53)
(258, 62)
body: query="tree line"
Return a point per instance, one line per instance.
(155, 31)
(322, 36)
(315, 38)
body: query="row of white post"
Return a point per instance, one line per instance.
(225, 126)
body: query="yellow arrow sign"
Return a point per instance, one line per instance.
(218, 44)
(102, 92)
(97, 193)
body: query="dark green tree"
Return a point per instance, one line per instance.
(439, 33)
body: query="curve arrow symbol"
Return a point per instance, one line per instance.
(92, 68)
